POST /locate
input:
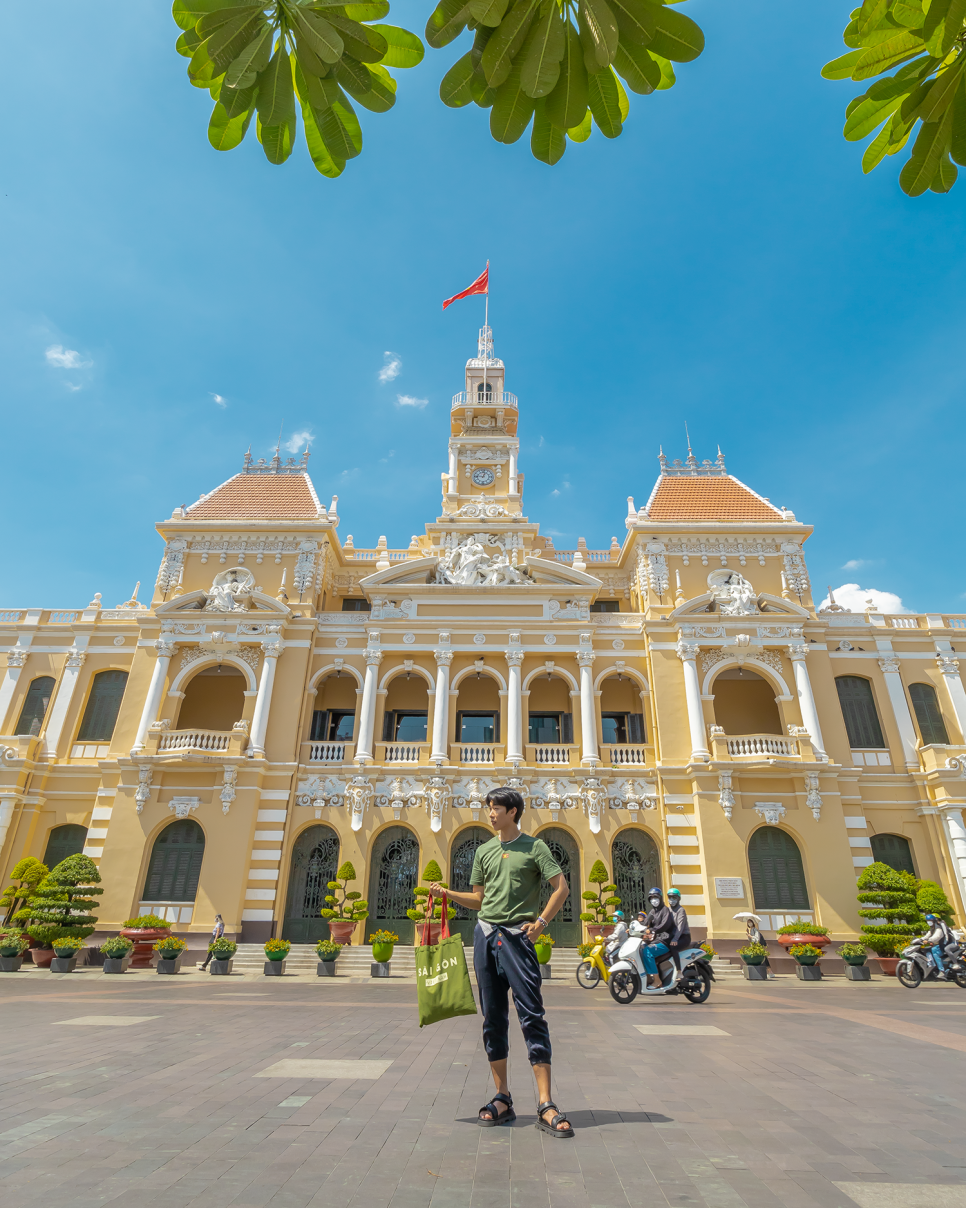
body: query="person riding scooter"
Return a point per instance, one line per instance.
(937, 938)
(662, 928)
(617, 936)
(683, 938)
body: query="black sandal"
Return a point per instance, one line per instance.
(506, 1117)
(552, 1128)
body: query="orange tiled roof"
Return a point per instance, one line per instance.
(707, 498)
(259, 497)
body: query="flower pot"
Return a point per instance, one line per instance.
(382, 953)
(165, 966)
(808, 961)
(544, 953)
(545, 974)
(341, 930)
(63, 964)
(752, 960)
(808, 972)
(378, 968)
(42, 957)
(817, 941)
(858, 973)
(116, 964)
(10, 964)
(9, 952)
(219, 968)
(144, 939)
(65, 953)
(325, 969)
(888, 964)
(273, 968)
(755, 973)
(855, 960)
(599, 931)
(276, 956)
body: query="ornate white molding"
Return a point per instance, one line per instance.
(889, 665)
(16, 658)
(796, 576)
(686, 651)
(228, 787)
(76, 658)
(437, 797)
(358, 796)
(948, 664)
(771, 812)
(593, 794)
(813, 798)
(726, 797)
(184, 807)
(145, 776)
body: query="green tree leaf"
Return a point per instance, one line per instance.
(541, 54)
(625, 108)
(635, 21)
(488, 12)
(872, 109)
(958, 140)
(376, 92)
(880, 58)
(227, 43)
(945, 177)
(870, 15)
(567, 104)
(340, 130)
(930, 145)
(375, 10)
(446, 22)
(454, 88)
(666, 69)
(580, 134)
(405, 48)
(188, 43)
(598, 33)
(276, 95)
(908, 13)
(941, 92)
(226, 132)
(243, 71)
(677, 37)
(277, 141)
(187, 13)
(604, 101)
(363, 42)
(236, 101)
(841, 68)
(511, 110)
(506, 41)
(877, 149)
(237, 14)
(547, 143)
(637, 67)
(319, 35)
(943, 24)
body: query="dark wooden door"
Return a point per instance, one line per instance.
(393, 875)
(461, 865)
(565, 928)
(315, 859)
(637, 868)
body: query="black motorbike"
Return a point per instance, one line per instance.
(918, 965)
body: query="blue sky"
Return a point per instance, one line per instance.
(724, 262)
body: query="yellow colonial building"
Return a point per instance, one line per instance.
(673, 705)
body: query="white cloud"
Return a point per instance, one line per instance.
(554, 494)
(298, 440)
(855, 564)
(72, 387)
(407, 400)
(65, 358)
(349, 473)
(391, 369)
(391, 453)
(220, 400)
(854, 598)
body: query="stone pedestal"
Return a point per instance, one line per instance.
(325, 969)
(545, 973)
(10, 964)
(165, 966)
(755, 972)
(220, 968)
(858, 972)
(379, 969)
(116, 964)
(63, 964)
(274, 968)
(808, 972)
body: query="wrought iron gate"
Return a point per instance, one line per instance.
(637, 868)
(565, 928)
(393, 875)
(461, 865)
(315, 860)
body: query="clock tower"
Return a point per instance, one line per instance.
(483, 445)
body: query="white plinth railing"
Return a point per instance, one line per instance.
(560, 755)
(491, 399)
(624, 754)
(195, 740)
(402, 752)
(756, 745)
(327, 752)
(476, 752)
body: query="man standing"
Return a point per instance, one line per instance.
(506, 878)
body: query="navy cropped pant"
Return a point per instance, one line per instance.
(502, 963)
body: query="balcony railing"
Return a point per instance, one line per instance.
(477, 752)
(493, 399)
(556, 755)
(402, 752)
(755, 746)
(194, 740)
(622, 754)
(330, 752)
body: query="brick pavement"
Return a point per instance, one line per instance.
(815, 1089)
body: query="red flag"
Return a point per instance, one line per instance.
(480, 286)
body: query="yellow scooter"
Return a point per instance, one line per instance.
(590, 971)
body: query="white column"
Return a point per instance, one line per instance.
(368, 719)
(688, 653)
(152, 702)
(949, 668)
(440, 751)
(514, 708)
(806, 701)
(272, 647)
(7, 803)
(900, 710)
(15, 661)
(588, 714)
(512, 473)
(956, 839)
(453, 472)
(65, 692)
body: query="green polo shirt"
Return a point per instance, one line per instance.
(511, 875)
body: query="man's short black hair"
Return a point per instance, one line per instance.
(510, 799)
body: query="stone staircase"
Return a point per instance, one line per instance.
(354, 961)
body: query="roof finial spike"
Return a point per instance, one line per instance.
(662, 460)
(831, 594)
(692, 461)
(687, 436)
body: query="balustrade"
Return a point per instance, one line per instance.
(558, 755)
(478, 752)
(622, 754)
(194, 740)
(329, 752)
(402, 752)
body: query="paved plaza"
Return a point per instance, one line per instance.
(160, 1092)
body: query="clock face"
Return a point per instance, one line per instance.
(482, 478)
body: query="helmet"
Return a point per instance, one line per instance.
(618, 914)
(931, 918)
(655, 893)
(673, 893)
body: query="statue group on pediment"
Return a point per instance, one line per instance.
(733, 594)
(469, 565)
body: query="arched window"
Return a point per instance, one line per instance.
(925, 702)
(637, 869)
(481, 390)
(64, 841)
(315, 860)
(214, 699)
(103, 705)
(777, 873)
(461, 865)
(858, 710)
(175, 864)
(393, 875)
(564, 927)
(35, 705)
(893, 850)
(744, 703)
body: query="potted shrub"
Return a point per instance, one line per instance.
(706, 947)
(345, 908)
(543, 947)
(276, 951)
(12, 947)
(222, 950)
(599, 906)
(328, 951)
(145, 930)
(66, 950)
(382, 945)
(26, 876)
(853, 954)
(805, 954)
(888, 900)
(803, 931)
(753, 954)
(432, 872)
(117, 954)
(60, 906)
(170, 950)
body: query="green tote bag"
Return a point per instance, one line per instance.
(443, 987)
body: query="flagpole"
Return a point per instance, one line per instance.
(486, 327)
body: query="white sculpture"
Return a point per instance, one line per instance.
(231, 591)
(469, 565)
(733, 594)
